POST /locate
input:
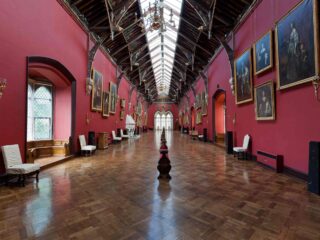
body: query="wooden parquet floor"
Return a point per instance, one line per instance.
(116, 195)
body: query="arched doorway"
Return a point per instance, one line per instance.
(219, 117)
(163, 120)
(51, 101)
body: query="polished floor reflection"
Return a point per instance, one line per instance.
(116, 195)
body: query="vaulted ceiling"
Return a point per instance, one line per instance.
(164, 68)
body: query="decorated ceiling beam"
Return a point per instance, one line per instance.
(91, 54)
(119, 75)
(200, 11)
(206, 81)
(212, 12)
(193, 91)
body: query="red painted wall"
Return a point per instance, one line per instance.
(62, 113)
(43, 28)
(292, 130)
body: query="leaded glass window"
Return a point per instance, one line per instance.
(40, 116)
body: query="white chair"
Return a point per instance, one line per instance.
(14, 165)
(85, 149)
(244, 149)
(123, 135)
(115, 138)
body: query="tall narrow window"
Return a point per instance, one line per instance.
(39, 112)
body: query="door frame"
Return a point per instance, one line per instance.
(214, 98)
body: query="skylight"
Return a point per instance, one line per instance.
(162, 42)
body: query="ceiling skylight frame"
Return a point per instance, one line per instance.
(166, 41)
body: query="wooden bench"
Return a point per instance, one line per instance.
(46, 148)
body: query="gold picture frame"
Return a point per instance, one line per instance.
(265, 101)
(121, 114)
(122, 103)
(112, 97)
(199, 117)
(97, 91)
(263, 53)
(297, 62)
(105, 105)
(243, 77)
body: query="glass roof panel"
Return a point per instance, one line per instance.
(165, 14)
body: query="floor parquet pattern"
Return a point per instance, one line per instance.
(115, 194)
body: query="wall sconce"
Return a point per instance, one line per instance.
(231, 82)
(316, 83)
(234, 119)
(3, 85)
(88, 118)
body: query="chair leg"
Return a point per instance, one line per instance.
(37, 176)
(6, 180)
(23, 180)
(19, 179)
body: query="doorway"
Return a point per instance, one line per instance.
(219, 117)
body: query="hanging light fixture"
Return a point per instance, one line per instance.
(154, 16)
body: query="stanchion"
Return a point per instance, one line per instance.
(164, 166)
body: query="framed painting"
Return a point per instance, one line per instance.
(243, 78)
(204, 107)
(263, 54)
(112, 97)
(297, 45)
(265, 101)
(198, 101)
(122, 103)
(139, 109)
(97, 91)
(105, 111)
(121, 114)
(199, 117)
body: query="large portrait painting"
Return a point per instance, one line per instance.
(198, 117)
(263, 54)
(243, 78)
(105, 104)
(96, 101)
(264, 101)
(112, 97)
(204, 104)
(297, 45)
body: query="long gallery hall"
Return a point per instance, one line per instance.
(159, 120)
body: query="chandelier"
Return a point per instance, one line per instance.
(154, 16)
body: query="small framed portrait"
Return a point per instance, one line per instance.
(122, 103)
(263, 54)
(297, 45)
(121, 114)
(97, 91)
(112, 97)
(106, 105)
(243, 78)
(265, 101)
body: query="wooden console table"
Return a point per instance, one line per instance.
(103, 140)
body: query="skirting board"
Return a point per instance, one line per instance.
(288, 171)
